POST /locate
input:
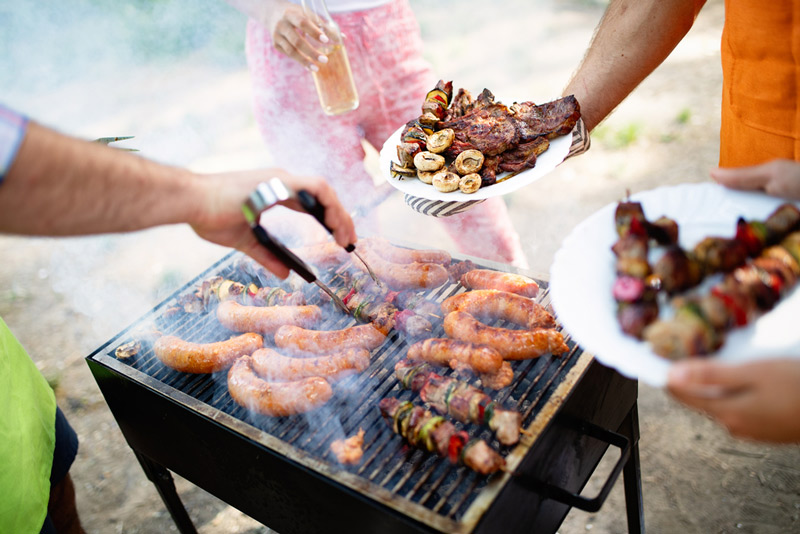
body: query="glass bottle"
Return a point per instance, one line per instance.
(334, 80)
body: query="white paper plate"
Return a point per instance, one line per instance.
(583, 273)
(546, 162)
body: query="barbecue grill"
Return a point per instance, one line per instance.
(280, 470)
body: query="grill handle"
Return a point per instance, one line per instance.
(576, 500)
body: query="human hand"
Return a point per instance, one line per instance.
(779, 177)
(221, 221)
(297, 36)
(756, 400)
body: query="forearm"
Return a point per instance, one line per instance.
(59, 185)
(632, 39)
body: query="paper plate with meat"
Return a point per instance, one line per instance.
(725, 288)
(464, 149)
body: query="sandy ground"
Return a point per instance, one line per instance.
(64, 298)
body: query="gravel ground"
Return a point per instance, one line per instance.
(64, 298)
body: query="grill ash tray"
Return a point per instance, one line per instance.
(417, 484)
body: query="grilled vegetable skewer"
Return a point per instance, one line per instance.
(432, 433)
(460, 400)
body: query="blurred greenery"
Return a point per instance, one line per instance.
(616, 138)
(684, 116)
(45, 43)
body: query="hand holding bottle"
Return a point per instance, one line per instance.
(297, 35)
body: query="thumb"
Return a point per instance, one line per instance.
(699, 377)
(745, 178)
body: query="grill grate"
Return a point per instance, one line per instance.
(419, 483)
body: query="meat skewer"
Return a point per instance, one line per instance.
(678, 270)
(376, 308)
(432, 433)
(701, 323)
(460, 400)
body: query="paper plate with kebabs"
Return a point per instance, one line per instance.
(694, 270)
(462, 150)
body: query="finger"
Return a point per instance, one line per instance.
(308, 26)
(744, 178)
(288, 41)
(303, 47)
(336, 217)
(707, 379)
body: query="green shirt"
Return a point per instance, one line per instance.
(27, 438)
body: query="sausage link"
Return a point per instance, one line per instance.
(400, 276)
(511, 344)
(275, 399)
(266, 320)
(511, 282)
(324, 255)
(272, 365)
(363, 336)
(191, 357)
(396, 254)
(449, 352)
(493, 304)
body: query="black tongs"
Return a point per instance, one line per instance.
(265, 196)
(317, 210)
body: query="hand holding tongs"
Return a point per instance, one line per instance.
(267, 195)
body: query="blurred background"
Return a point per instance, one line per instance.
(172, 73)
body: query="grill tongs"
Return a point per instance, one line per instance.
(266, 195)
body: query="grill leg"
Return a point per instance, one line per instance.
(161, 477)
(632, 474)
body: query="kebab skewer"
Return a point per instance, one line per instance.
(679, 269)
(433, 433)
(636, 299)
(460, 400)
(700, 323)
(217, 289)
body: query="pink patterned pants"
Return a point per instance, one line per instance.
(385, 51)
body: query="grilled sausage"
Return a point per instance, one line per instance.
(496, 305)
(500, 379)
(449, 352)
(363, 336)
(275, 399)
(400, 276)
(191, 357)
(488, 279)
(328, 254)
(239, 318)
(511, 344)
(272, 365)
(406, 255)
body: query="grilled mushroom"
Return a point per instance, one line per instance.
(128, 350)
(439, 141)
(427, 176)
(469, 161)
(470, 183)
(428, 161)
(446, 182)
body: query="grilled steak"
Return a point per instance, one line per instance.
(490, 128)
(551, 119)
(523, 156)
